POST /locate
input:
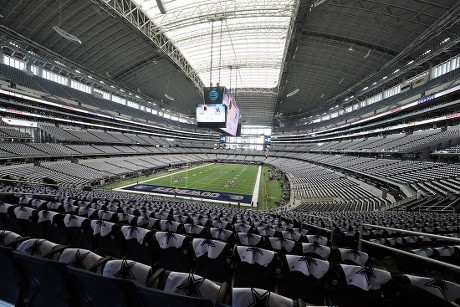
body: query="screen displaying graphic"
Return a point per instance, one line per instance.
(213, 94)
(233, 113)
(211, 115)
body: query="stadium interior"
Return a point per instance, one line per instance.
(341, 189)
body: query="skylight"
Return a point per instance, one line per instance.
(246, 38)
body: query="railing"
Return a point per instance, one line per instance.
(398, 251)
(398, 203)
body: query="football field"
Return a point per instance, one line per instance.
(220, 183)
(235, 178)
(224, 183)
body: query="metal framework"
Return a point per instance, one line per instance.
(249, 34)
(132, 13)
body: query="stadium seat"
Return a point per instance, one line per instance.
(12, 277)
(362, 286)
(315, 250)
(425, 291)
(213, 259)
(256, 267)
(140, 245)
(108, 239)
(174, 251)
(249, 239)
(205, 291)
(261, 297)
(94, 289)
(47, 282)
(307, 278)
(79, 231)
(20, 218)
(349, 256)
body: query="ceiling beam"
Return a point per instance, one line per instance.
(351, 41)
(138, 19)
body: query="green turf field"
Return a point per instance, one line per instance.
(213, 177)
(234, 178)
(269, 190)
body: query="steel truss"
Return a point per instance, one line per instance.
(133, 14)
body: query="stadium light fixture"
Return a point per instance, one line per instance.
(445, 40)
(318, 3)
(367, 54)
(63, 33)
(66, 35)
(167, 89)
(295, 84)
(293, 93)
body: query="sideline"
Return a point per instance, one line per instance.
(255, 193)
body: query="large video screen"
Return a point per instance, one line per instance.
(233, 114)
(211, 115)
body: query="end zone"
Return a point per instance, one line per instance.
(192, 194)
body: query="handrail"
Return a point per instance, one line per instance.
(411, 232)
(398, 251)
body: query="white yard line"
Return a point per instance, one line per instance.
(255, 193)
(152, 179)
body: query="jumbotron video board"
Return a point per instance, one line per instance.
(219, 95)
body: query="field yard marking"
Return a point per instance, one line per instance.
(255, 193)
(215, 178)
(207, 177)
(167, 175)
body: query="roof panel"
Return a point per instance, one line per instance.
(247, 36)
